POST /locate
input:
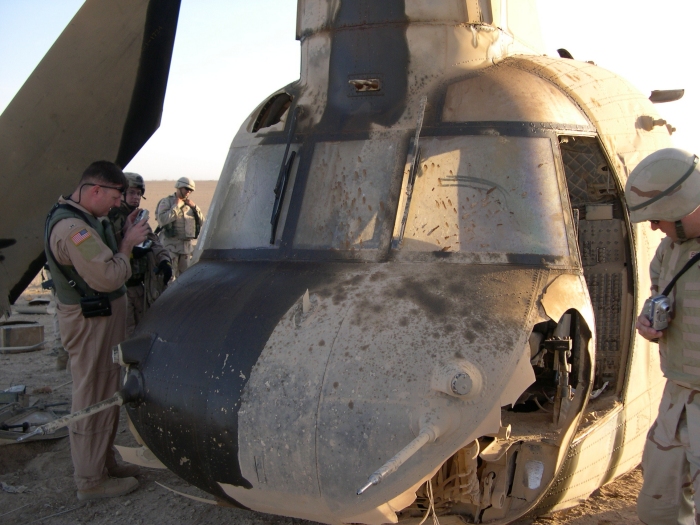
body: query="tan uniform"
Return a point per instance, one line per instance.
(671, 460)
(141, 269)
(178, 224)
(89, 343)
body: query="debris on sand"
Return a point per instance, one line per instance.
(11, 489)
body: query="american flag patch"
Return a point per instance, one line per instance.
(81, 236)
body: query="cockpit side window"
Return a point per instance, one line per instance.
(242, 215)
(497, 195)
(272, 111)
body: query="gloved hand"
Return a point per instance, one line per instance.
(167, 271)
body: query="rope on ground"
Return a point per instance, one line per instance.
(14, 510)
(56, 514)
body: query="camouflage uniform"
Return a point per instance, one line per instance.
(142, 266)
(179, 228)
(672, 451)
(665, 186)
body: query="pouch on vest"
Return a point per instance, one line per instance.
(190, 228)
(95, 306)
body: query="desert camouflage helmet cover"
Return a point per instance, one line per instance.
(136, 181)
(665, 186)
(185, 182)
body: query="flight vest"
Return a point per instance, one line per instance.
(680, 345)
(186, 226)
(66, 293)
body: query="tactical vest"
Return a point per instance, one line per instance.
(680, 345)
(66, 293)
(184, 227)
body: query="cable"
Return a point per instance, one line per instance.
(431, 506)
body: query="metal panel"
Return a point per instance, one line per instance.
(502, 93)
(602, 245)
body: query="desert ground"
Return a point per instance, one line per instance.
(36, 484)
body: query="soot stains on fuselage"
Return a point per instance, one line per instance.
(368, 40)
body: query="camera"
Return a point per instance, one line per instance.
(657, 309)
(143, 216)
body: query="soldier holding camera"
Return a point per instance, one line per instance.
(150, 262)
(664, 189)
(89, 270)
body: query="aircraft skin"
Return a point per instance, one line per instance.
(395, 240)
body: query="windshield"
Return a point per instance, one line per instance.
(486, 194)
(485, 197)
(243, 211)
(346, 199)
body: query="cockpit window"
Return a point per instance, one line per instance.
(486, 194)
(346, 196)
(272, 111)
(243, 209)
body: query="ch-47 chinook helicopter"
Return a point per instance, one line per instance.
(416, 286)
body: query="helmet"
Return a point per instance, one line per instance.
(136, 181)
(665, 186)
(184, 182)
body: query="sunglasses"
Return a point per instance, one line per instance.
(119, 189)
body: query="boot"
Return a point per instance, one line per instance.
(124, 471)
(109, 488)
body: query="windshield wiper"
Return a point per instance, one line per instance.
(283, 177)
(412, 163)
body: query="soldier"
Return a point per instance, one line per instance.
(146, 262)
(89, 270)
(664, 189)
(180, 221)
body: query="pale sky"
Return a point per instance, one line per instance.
(231, 54)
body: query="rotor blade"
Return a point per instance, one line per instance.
(96, 95)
